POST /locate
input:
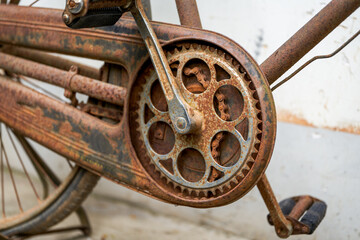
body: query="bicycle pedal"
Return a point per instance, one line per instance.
(304, 212)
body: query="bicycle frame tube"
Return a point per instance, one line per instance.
(122, 44)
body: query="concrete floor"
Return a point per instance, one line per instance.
(114, 219)
(306, 160)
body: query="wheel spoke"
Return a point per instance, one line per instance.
(23, 165)
(33, 3)
(38, 162)
(25, 79)
(11, 175)
(2, 176)
(71, 166)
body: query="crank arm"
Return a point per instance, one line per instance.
(285, 216)
(90, 13)
(184, 119)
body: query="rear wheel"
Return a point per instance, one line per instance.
(32, 196)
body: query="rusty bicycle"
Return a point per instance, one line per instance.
(177, 113)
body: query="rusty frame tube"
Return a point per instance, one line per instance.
(121, 44)
(51, 60)
(92, 143)
(307, 37)
(188, 13)
(66, 79)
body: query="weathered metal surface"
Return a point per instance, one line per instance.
(100, 111)
(188, 13)
(66, 79)
(51, 60)
(307, 38)
(121, 44)
(100, 147)
(94, 144)
(296, 215)
(127, 150)
(252, 170)
(192, 173)
(283, 227)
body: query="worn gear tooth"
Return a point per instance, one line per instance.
(240, 175)
(246, 167)
(206, 193)
(162, 175)
(235, 181)
(177, 51)
(197, 192)
(222, 54)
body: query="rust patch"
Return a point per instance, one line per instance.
(286, 116)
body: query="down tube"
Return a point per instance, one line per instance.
(90, 142)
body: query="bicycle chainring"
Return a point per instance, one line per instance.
(216, 159)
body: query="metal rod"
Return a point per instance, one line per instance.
(188, 13)
(2, 176)
(313, 59)
(68, 80)
(25, 79)
(51, 60)
(283, 227)
(307, 37)
(147, 8)
(23, 165)
(11, 175)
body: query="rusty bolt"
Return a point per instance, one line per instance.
(66, 18)
(75, 6)
(181, 123)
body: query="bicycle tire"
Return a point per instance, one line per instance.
(77, 190)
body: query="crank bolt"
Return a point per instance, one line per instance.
(66, 18)
(181, 123)
(75, 6)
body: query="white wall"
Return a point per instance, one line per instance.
(326, 93)
(306, 160)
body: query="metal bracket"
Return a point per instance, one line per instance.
(68, 92)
